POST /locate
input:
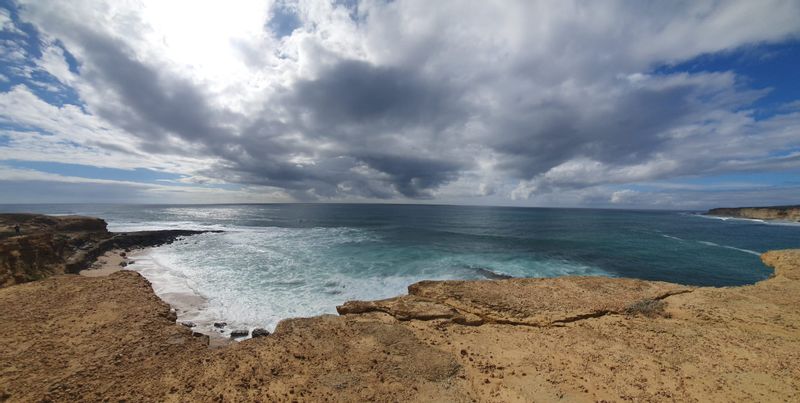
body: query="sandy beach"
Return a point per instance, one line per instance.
(181, 304)
(109, 262)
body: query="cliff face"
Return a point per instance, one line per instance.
(45, 245)
(49, 245)
(785, 213)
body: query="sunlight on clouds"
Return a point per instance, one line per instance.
(496, 102)
(204, 41)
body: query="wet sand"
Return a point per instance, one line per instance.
(180, 303)
(110, 262)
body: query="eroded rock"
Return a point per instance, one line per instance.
(239, 333)
(259, 332)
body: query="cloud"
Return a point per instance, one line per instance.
(405, 100)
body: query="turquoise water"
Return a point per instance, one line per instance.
(278, 261)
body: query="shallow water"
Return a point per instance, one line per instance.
(279, 261)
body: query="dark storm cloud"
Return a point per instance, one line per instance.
(624, 129)
(412, 176)
(363, 111)
(154, 103)
(354, 93)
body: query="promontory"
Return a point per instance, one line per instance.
(783, 213)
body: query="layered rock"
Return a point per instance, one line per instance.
(50, 245)
(783, 213)
(527, 302)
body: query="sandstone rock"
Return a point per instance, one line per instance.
(403, 308)
(787, 213)
(64, 244)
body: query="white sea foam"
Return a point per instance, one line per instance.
(258, 276)
(708, 243)
(747, 220)
(173, 287)
(123, 226)
(752, 252)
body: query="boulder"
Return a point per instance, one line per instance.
(239, 333)
(259, 332)
(172, 316)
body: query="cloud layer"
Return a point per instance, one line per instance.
(507, 102)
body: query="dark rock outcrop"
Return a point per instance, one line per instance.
(239, 333)
(259, 332)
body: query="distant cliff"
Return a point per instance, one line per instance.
(50, 245)
(786, 213)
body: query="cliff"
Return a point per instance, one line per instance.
(68, 338)
(50, 245)
(784, 213)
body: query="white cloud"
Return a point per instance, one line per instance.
(536, 101)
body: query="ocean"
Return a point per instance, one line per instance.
(277, 261)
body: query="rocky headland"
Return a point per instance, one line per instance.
(782, 213)
(49, 245)
(75, 338)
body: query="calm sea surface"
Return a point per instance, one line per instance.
(279, 261)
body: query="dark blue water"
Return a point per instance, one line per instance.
(653, 245)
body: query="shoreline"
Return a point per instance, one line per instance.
(184, 306)
(72, 337)
(572, 338)
(785, 214)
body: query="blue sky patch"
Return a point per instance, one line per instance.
(91, 172)
(284, 20)
(766, 66)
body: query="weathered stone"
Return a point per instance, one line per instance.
(239, 333)
(259, 332)
(65, 244)
(784, 213)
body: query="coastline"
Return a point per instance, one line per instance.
(184, 306)
(778, 214)
(70, 337)
(706, 344)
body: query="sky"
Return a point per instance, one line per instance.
(608, 104)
